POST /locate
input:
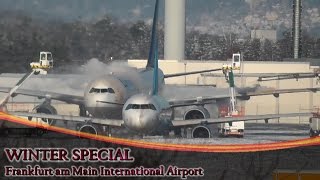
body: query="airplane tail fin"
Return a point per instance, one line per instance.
(153, 44)
(155, 69)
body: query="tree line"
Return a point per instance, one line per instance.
(23, 37)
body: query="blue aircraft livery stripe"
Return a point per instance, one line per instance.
(150, 63)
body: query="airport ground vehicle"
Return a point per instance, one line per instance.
(231, 128)
(45, 62)
(314, 124)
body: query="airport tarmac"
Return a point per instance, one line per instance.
(242, 166)
(255, 133)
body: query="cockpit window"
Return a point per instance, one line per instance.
(135, 106)
(152, 107)
(236, 58)
(103, 90)
(141, 106)
(110, 90)
(145, 106)
(94, 90)
(129, 106)
(49, 57)
(43, 57)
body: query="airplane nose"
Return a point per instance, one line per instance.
(141, 118)
(142, 121)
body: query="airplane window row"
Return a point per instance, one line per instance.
(140, 106)
(104, 90)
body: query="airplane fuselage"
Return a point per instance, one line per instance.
(105, 96)
(142, 113)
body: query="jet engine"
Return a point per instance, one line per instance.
(87, 128)
(201, 131)
(196, 112)
(46, 109)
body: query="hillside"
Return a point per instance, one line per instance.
(210, 16)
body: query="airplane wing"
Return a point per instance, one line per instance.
(71, 99)
(288, 76)
(276, 92)
(240, 95)
(107, 122)
(190, 122)
(191, 72)
(271, 76)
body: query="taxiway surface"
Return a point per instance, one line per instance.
(255, 133)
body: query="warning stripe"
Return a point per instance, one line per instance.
(169, 146)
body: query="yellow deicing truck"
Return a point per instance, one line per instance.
(45, 63)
